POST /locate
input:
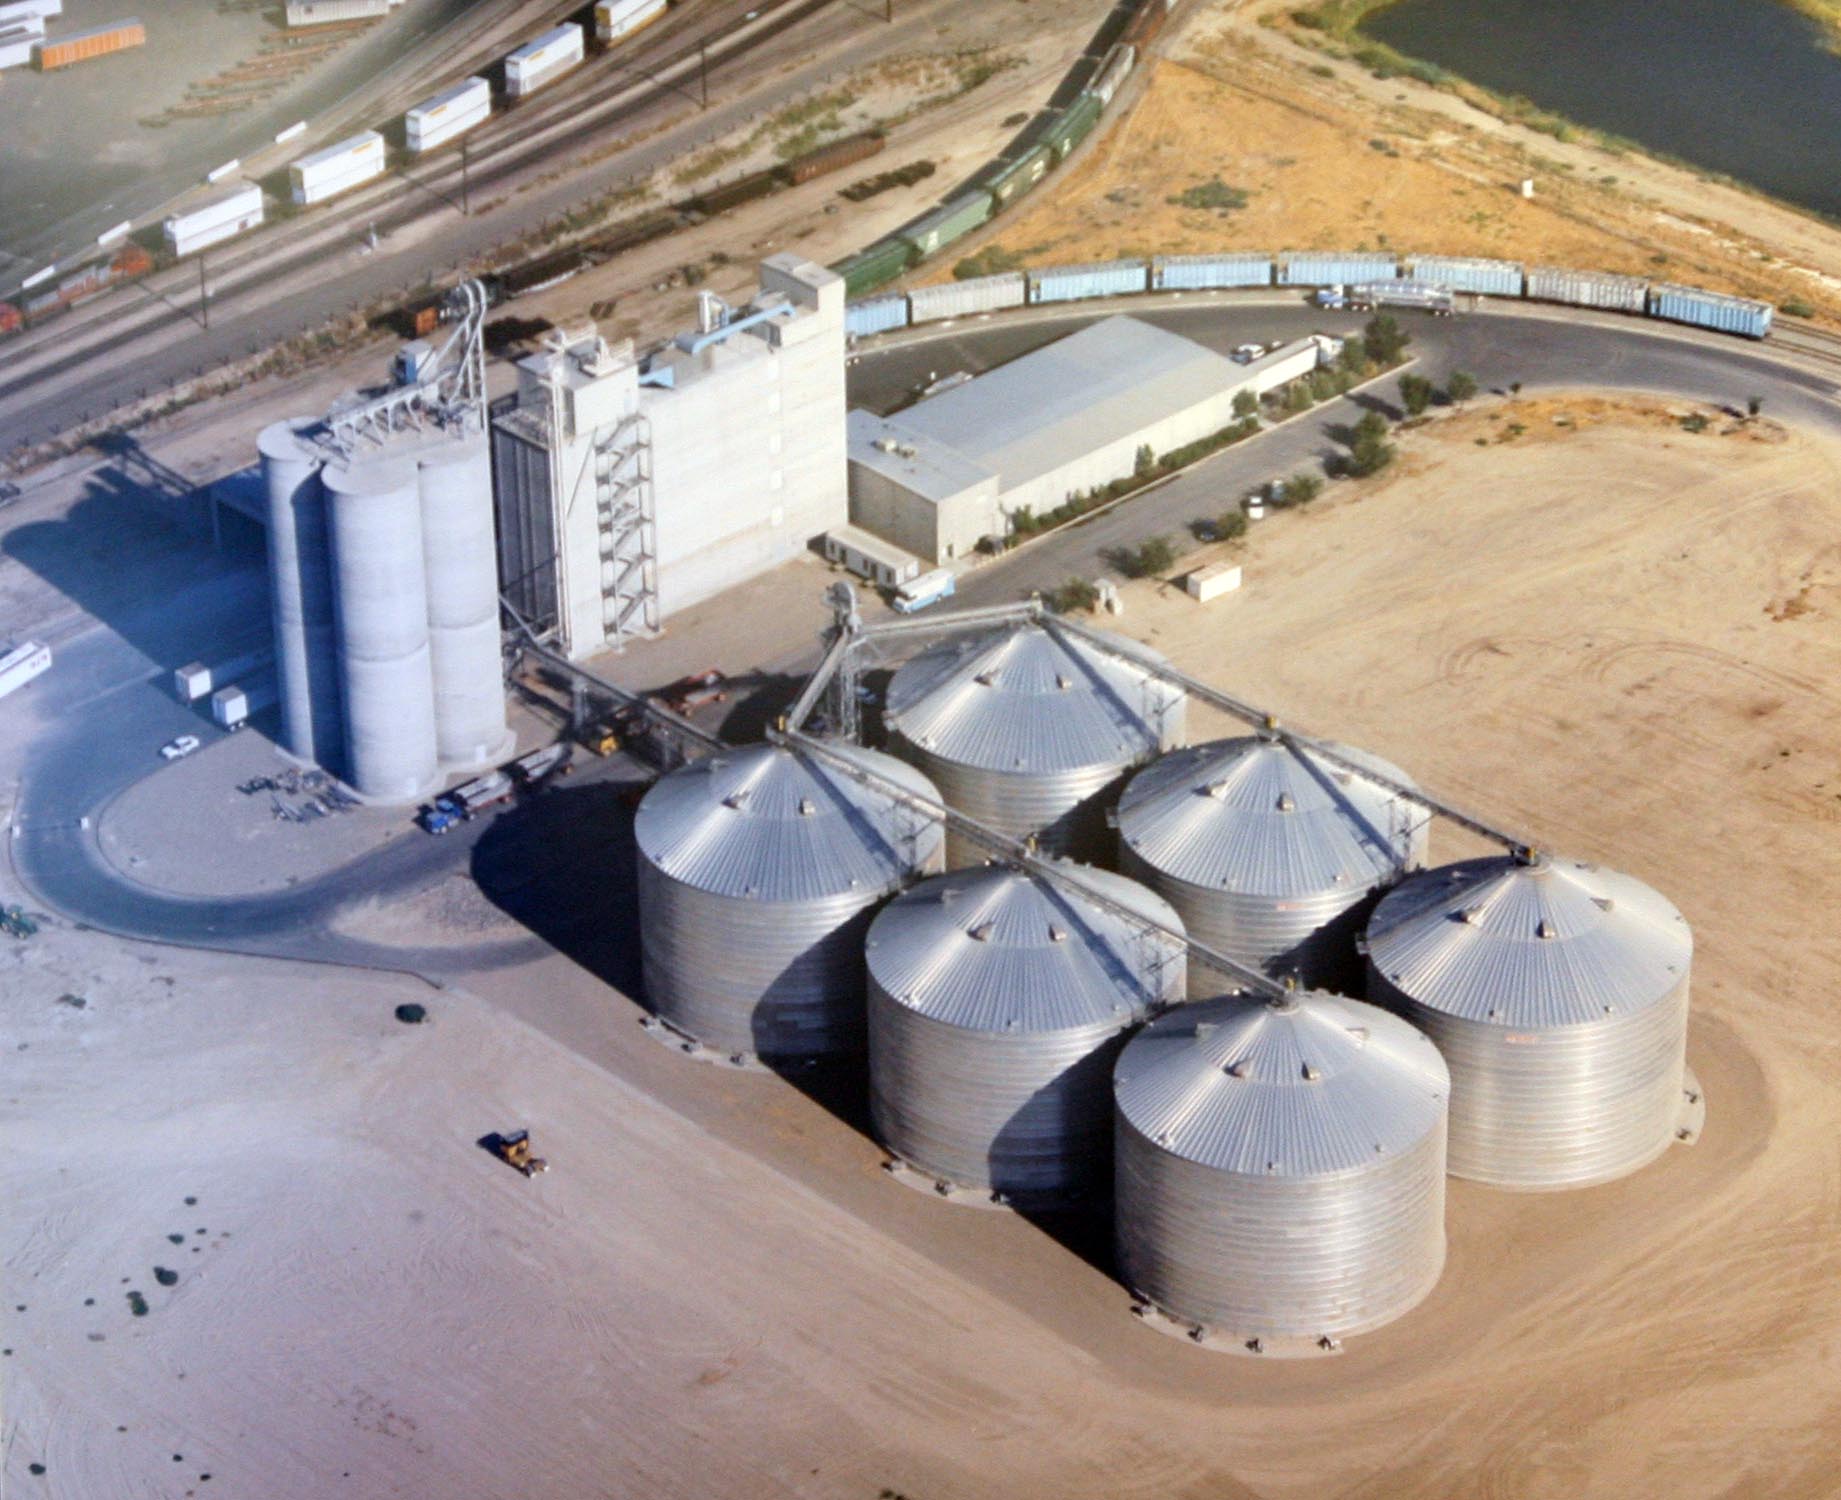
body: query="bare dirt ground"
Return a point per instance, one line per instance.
(716, 1292)
(1332, 158)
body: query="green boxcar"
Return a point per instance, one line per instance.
(949, 222)
(1071, 129)
(1009, 182)
(868, 269)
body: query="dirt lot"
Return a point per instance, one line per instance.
(717, 1293)
(1331, 158)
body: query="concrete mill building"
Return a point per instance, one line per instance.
(631, 486)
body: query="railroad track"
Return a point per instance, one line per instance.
(519, 149)
(1815, 343)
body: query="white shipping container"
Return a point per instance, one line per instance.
(17, 43)
(448, 115)
(543, 60)
(1212, 582)
(327, 172)
(212, 223)
(21, 663)
(334, 12)
(1282, 366)
(613, 19)
(29, 12)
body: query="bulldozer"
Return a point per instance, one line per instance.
(515, 1150)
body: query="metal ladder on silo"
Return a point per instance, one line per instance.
(628, 540)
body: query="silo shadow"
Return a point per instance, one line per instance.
(562, 863)
(1078, 1215)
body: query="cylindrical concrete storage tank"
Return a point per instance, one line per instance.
(381, 598)
(1280, 1177)
(997, 1003)
(759, 870)
(1272, 855)
(454, 480)
(1031, 733)
(1558, 993)
(301, 596)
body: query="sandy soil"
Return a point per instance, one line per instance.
(716, 1292)
(1332, 158)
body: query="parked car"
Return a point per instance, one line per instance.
(180, 748)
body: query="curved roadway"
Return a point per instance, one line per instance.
(105, 689)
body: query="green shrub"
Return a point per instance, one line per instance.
(1076, 593)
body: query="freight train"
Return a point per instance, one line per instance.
(1433, 282)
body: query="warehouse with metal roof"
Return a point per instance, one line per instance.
(1067, 417)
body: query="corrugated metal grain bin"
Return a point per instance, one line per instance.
(1113, 72)
(758, 872)
(1071, 129)
(447, 116)
(1688, 304)
(98, 41)
(1013, 179)
(214, 222)
(868, 269)
(1179, 273)
(1490, 278)
(958, 299)
(949, 222)
(1031, 732)
(837, 155)
(1587, 288)
(1280, 1175)
(1107, 278)
(1272, 854)
(614, 19)
(997, 1004)
(338, 168)
(1558, 994)
(543, 60)
(1333, 267)
(876, 315)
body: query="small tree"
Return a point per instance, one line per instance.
(1371, 428)
(1370, 455)
(1144, 464)
(1415, 394)
(1156, 555)
(1231, 525)
(1754, 406)
(1461, 386)
(1076, 593)
(1246, 404)
(1514, 387)
(1301, 489)
(1384, 339)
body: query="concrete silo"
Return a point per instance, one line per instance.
(1031, 732)
(997, 1002)
(1280, 1178)
(300, 595)
(1271, 854)
(1558, 993)
(454, 484)
(381, 607)
(759, 870)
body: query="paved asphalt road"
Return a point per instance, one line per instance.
(113, 709)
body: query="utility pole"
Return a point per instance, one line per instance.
(703, 72)
(465, 208)
(204, 300)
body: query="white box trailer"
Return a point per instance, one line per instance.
(29, 12)
(614, 19)
(18, 41)
(213, 223)
(870, 557)
(20, 664)
(544, 60)
(448, 116)
(1212, 581)
(335, 12)
(336, 169)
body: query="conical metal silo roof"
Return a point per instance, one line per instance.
(770, 824)
(998, 950)
(1024, 700)
(1308, 1087)
(1257, 815)
(1530, 944)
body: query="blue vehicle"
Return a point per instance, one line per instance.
(929, 588)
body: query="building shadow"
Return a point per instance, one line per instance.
(564, 865)
(134, 551)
